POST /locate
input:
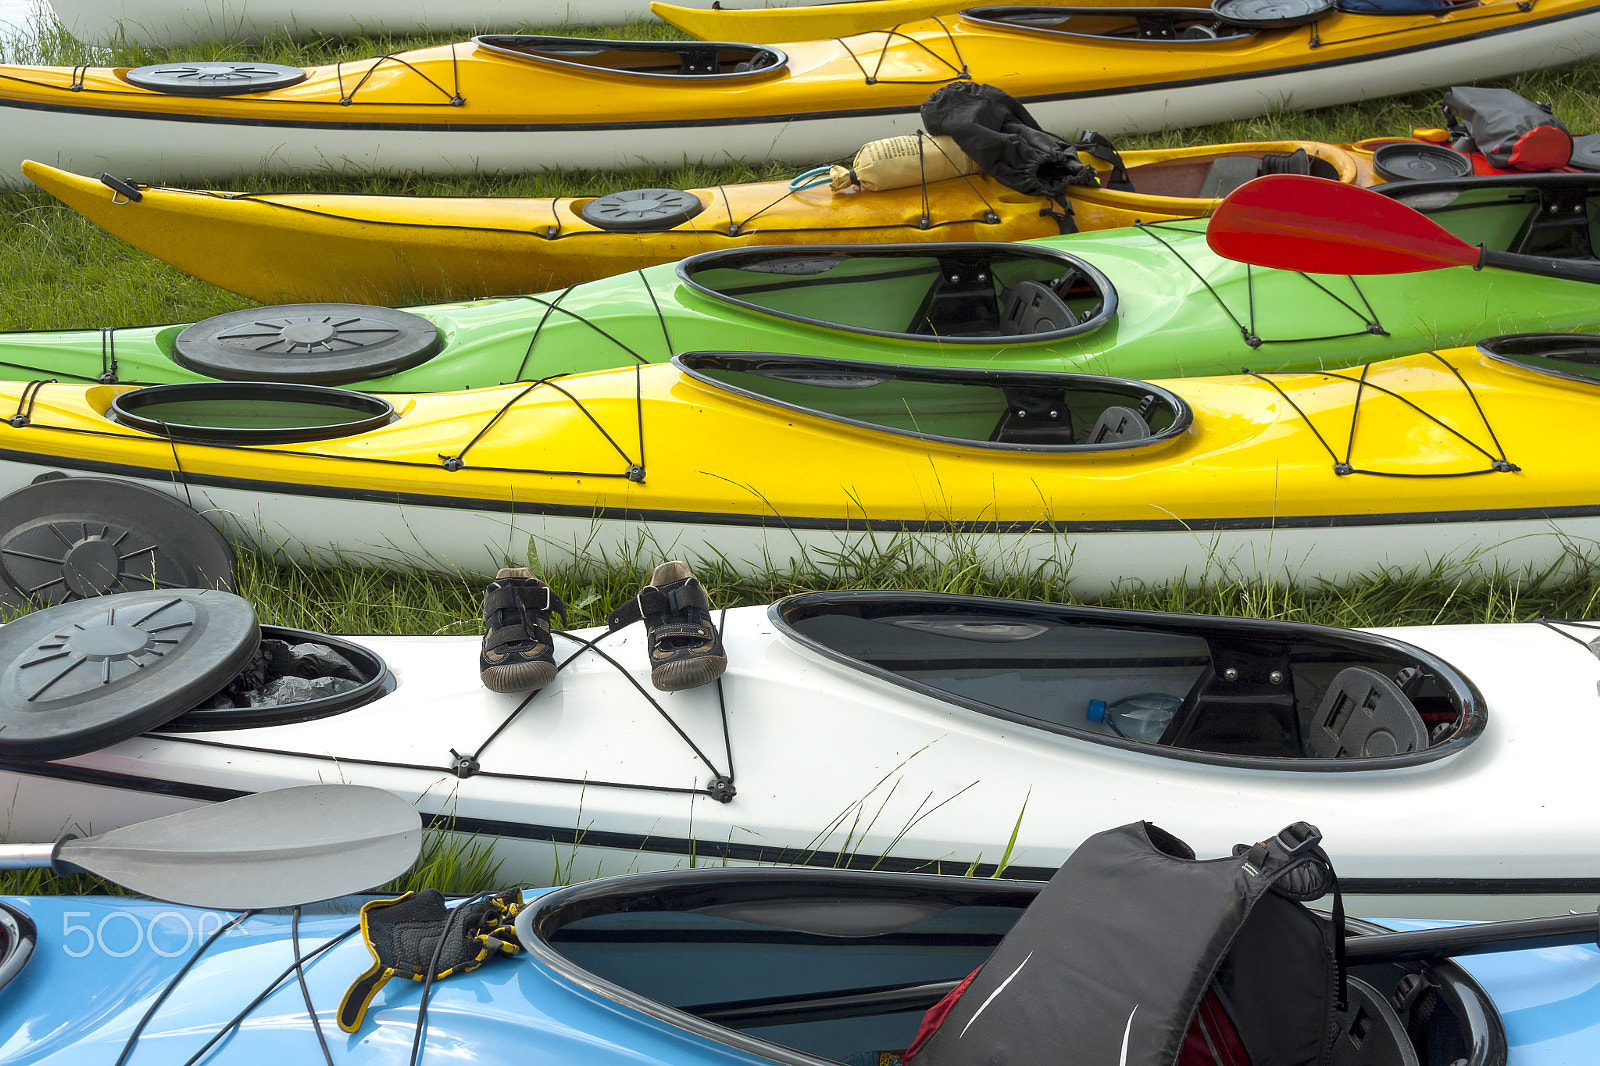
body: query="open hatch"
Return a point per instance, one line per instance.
(1016, 410)
(678, 60)
(811, 966)
(1168, 25)
(1235, 691)
(91, 672)
(970, 293)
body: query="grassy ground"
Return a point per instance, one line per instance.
(57, 270)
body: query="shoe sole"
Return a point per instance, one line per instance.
(518, 677)
(690, 673)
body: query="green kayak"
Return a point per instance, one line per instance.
(1150, 301)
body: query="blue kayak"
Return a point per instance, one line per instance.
(691, 968)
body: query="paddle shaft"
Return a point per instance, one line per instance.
(1543, 266)
(1522, 935)
(27, 856)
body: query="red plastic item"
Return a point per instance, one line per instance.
(1296, 222)
(1542, 148)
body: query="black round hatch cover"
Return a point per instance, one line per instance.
(85, 674)
(1270, 14)
(71, 538)
(1586, 152)
(641, 210)
(215, 79)
(1404, 161)
(314, 344)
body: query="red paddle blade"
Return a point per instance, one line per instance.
(1297, 222)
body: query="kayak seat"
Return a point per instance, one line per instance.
(1231, 171)
(1364, 715)
(1034, 415)
(1227, 174)
(960, 302)
(1032, 307)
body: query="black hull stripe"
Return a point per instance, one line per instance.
(717, 850)
(852, 525)
(789, 119)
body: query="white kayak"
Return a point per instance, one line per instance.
(168, 23)
(915, 731)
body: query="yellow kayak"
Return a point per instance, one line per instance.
(757, 460)
(519, 102)
(396, 249)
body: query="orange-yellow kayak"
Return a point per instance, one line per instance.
(521, 102)
(398, 249)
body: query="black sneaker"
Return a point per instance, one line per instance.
(518, 653)
(685, 647)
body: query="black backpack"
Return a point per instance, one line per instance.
(1130, 951)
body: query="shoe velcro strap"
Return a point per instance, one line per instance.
(674, 598)
(508, 596)
(668, 599)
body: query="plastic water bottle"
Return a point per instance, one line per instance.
(1144, 717)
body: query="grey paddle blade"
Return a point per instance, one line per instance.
(271, 849)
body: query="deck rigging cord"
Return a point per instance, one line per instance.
(454, 99)
(1498, 463)
(1370, 323)
(959, 67)
(720, 786)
